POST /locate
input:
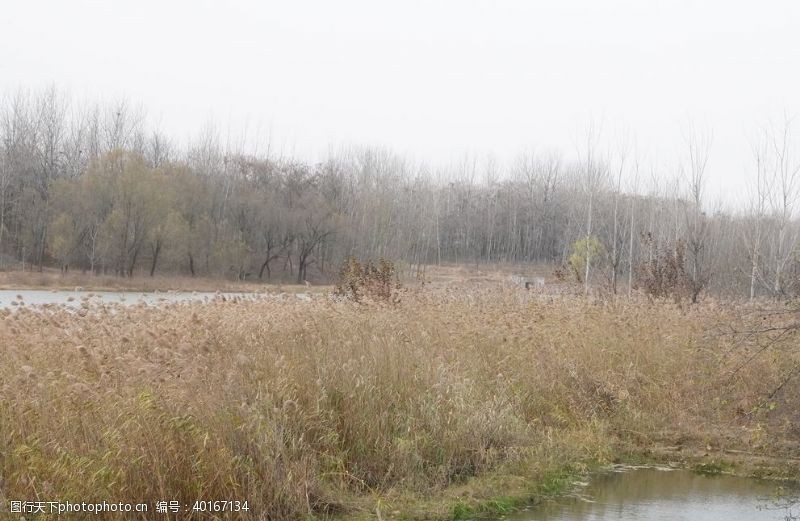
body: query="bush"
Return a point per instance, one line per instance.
(359, 281)
(560, 273)
(588, 249)
(665, 275)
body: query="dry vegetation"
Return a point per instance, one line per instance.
(330, 407)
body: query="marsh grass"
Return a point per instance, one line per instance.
(329, 408)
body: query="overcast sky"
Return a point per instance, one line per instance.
(431, 79)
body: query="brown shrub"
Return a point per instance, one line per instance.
(665, 275)
(376, 282)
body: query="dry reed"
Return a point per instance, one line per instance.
(306, 408)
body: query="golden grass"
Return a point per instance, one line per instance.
(470, 275)
(325, 407)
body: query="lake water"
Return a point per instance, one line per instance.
(76, 298)
(668, 495)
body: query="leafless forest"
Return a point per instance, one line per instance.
(92, 187)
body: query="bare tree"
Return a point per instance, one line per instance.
(757, 209)
(5, 182)
(594, 172)
(314, 233)
(633, 189)
(616, 195)
(698, 145)
(784, 196)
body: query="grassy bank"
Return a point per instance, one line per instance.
(446, 404)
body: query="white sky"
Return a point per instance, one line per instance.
(432, 79)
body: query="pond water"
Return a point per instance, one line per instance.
(664, 494)
(10, 298)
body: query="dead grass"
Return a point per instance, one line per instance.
(327, 407)
(470, 276)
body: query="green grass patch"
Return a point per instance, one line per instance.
(712, 468)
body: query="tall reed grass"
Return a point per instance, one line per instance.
(307, 408)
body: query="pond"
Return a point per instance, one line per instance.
(11, 298)
(666, 494)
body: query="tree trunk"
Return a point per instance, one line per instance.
(2, 227)
(630, 253)
(265, 266)
(133, 262)
(156, 251)
(40, 253)
(301, 269)
(588, 253)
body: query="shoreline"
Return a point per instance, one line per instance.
(56, 281)
(560, 482)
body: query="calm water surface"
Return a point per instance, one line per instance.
(674, 495)
(10, 298)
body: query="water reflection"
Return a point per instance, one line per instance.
(673, 495)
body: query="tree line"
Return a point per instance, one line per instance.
(92, 188)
